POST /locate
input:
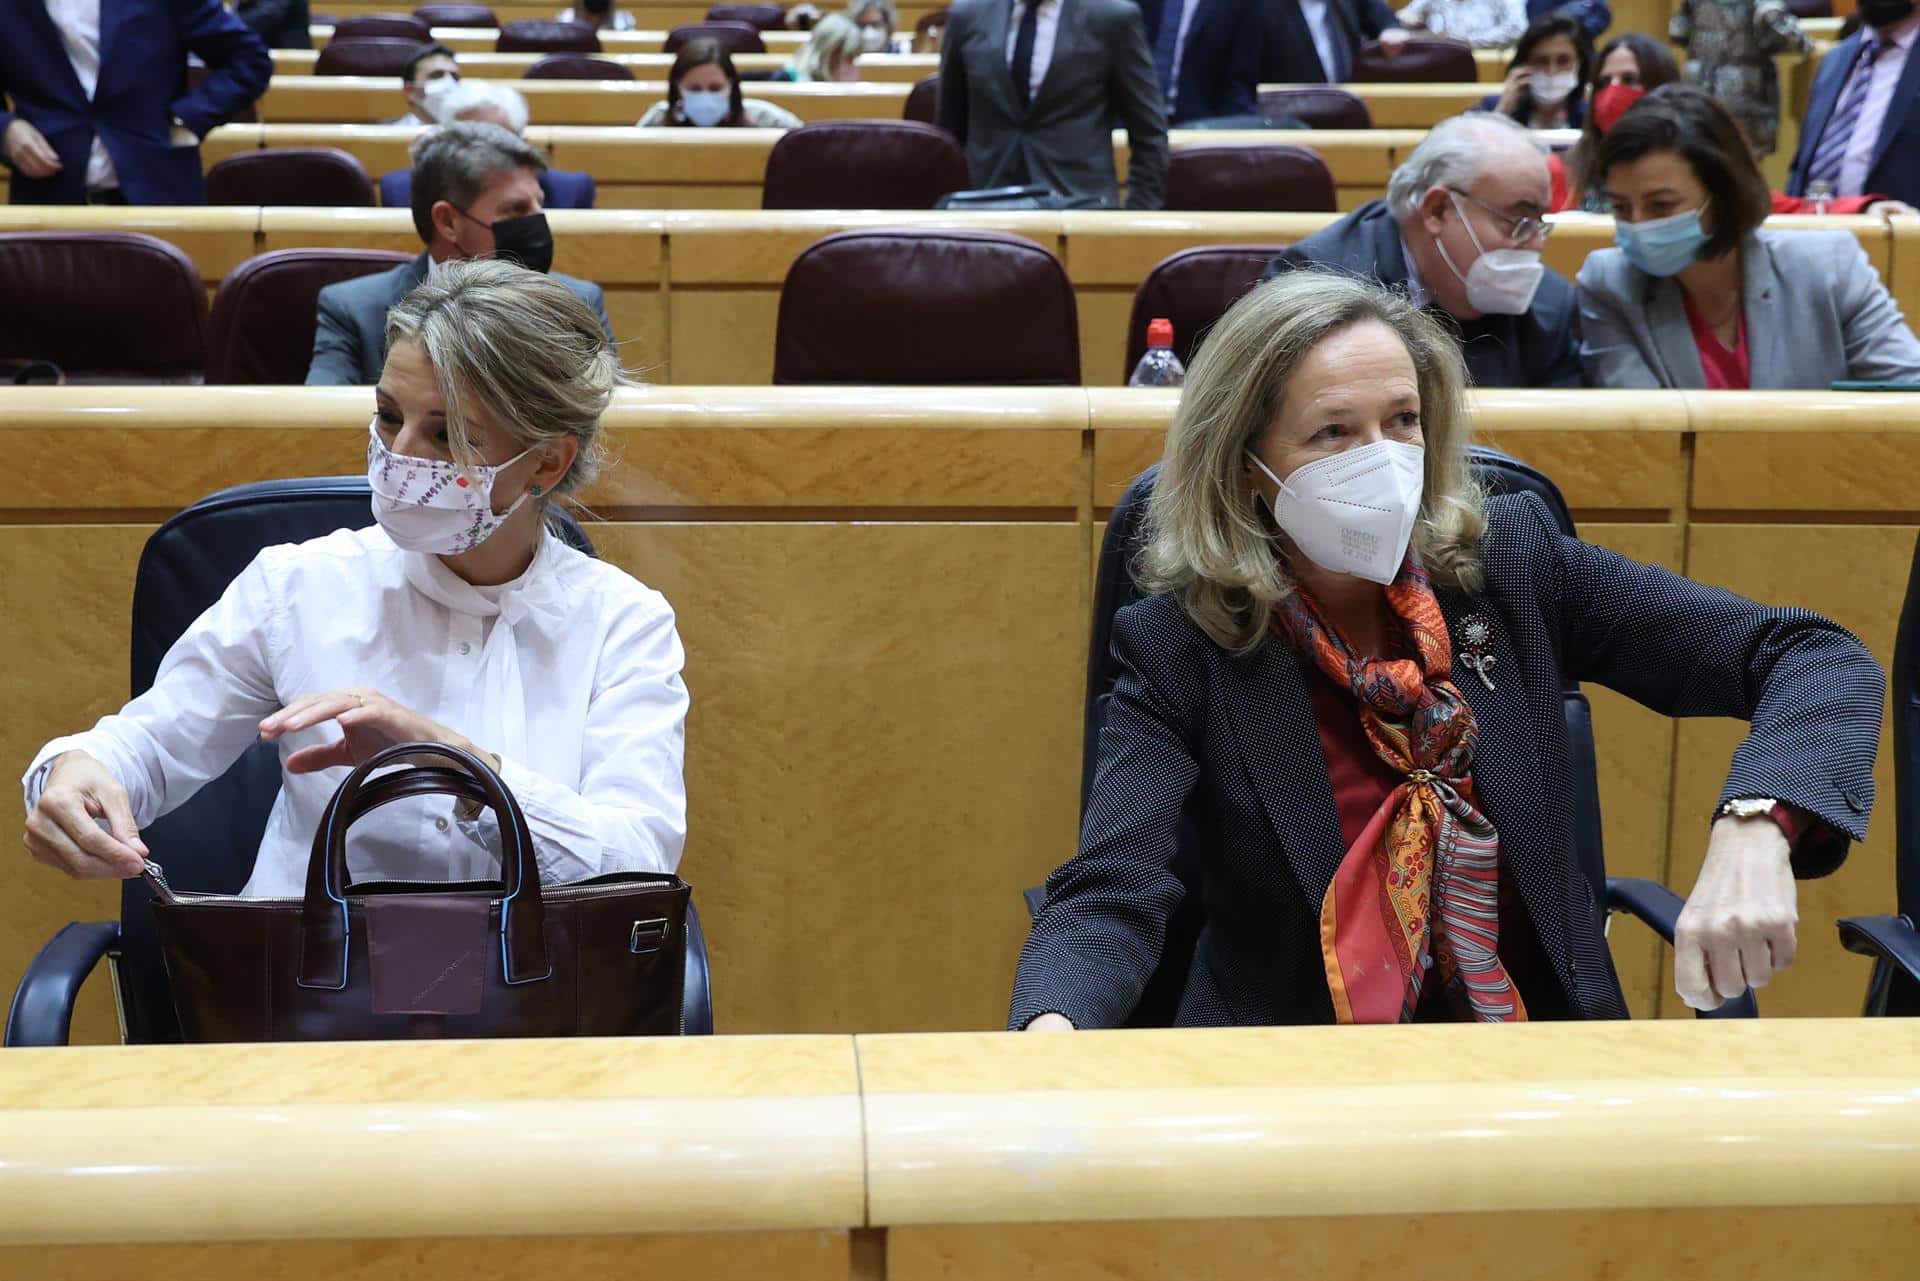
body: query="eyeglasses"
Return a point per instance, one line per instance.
(1520, 231)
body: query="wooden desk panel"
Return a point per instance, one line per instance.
(608, 103)
(466, 40)
(660, 14)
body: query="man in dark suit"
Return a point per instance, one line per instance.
(475, 194)
(1862, 132)
(1206, 54)
(1474, 190)
(101, 109)
(1031, 88)
(1317, 41)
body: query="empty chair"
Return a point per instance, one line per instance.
(914, 307)
(312, 176)
(578, 66)
(734, 37)
(761, 17)
(1269, 178)
(387, 26)
(863, 164)
(1421, 59)
(372, 56)
(263, 317)
(1317, 107)
(1193, 289)
(105, 306)
(923, 101)
(928, 31)
(456, 15)
(537, 35)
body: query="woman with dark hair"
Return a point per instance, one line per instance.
(1546, 86)
(1697, 295)
(1629, 67)
(703, 90)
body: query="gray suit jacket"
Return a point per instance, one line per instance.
(350, 340)
(1101, 69)
(1816, 313)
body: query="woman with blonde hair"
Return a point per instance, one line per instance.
(831, 55)
(1347, 684)
(457, 617)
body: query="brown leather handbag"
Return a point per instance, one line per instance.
(393, 960)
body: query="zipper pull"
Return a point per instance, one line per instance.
(156, 877)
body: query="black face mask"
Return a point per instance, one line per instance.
(527, 240)
(1884, 13)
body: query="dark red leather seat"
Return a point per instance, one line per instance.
(537, 35)
(456, 15)
(1268, 178)
(761, 17)
(931, 27)
(1193, 289)
(923, 101)
(578, 66)
(105, 306)
(921, 307)
(311, 176)
(1422, 59)
(734, 37)
(264, 315)
(382, 26)
(1317, 107)
(863, 164)
(367, 56)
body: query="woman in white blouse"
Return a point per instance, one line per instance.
(1484, 24)
(457, 617)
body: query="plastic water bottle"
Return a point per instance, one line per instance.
(1821, 194)
(1159, 367)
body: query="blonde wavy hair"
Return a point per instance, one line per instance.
(518, 347)
(1208, 540)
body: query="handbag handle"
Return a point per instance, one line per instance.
(324, 919)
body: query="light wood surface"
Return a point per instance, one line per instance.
(648, 13)
(875, 68)
(465, 40)
(374, 100)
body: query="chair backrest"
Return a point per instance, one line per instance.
(1317, 107)
(923, 101)
(578, 66)
(1810, 8)
(367, 56)
(456, 15)
(931, 23)
(733, 37)
(538, 35)
(1420, 60)
(1193, 288)
(264, 314)
(321, 177)
(1114, 589)
(105, 306)
(863, 164)
(1269, 178)
(395, 26)
(761, 17)
(922, 307)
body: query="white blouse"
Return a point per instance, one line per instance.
(571, 674)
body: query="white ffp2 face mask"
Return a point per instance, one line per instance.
(1500, 282)
(1353, 513)
(432, 506)
(1551, 88)
(706, 107)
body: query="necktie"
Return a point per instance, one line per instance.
(1023, 54)
(1166, 45)
(1831, 153)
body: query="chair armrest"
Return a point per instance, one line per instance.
(1886, 938)
(696, 996)
(1659, 909)
(42, 1009)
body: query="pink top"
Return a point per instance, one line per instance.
(1885, 71)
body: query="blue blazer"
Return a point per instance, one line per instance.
(1594, 15)
(142, 87)
(1895, 168)
(559, 189)
(1220, 67)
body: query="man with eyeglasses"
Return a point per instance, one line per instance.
(1461, 231)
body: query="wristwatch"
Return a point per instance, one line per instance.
(1784, 816)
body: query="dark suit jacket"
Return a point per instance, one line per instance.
(1288, 54)
(350, 338)
(1231, 744)
(1220, 65)
(1595, 15)
(1895, 169)
(1532, 350)
(1102, 68)
(283, 24)
(142, 87)
(559, 189)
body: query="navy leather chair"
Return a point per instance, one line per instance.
(1892, 941)
(1114, 589)
(209, 844)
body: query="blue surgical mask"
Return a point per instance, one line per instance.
(706, 107)
(1662, 246)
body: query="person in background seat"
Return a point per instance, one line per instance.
(703, 92)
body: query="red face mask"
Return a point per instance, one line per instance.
(1612, 102)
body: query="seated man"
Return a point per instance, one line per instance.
(1460, 232)
(429, 73)
(476, 194)
(493, 103)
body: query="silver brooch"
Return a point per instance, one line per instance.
(1476, 634)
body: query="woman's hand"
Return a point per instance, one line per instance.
(1514, 91)
(1051, 1022)
(368, 720)
(1738, 925)
(64, 830)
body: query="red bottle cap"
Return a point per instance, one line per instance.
(1160, 332)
